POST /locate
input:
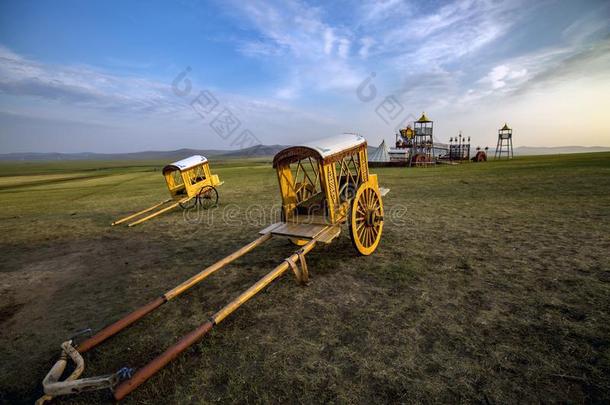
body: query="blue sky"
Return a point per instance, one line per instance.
(105, 76)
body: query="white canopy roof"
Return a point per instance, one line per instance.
(187, 163)
(381, 154)
(334, 144)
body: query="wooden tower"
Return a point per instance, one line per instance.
(421, 151)
(504, 147)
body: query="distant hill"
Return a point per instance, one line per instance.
(254, 151)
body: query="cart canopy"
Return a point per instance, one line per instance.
(326, 149)
(185, 163)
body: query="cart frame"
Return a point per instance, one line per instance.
(345, 192)
(189, 182)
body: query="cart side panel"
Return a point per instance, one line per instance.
(206, 170)
(289, 198)
(364, 166)
(329, 180)
(174, 181)
(211, 179)
(195, 178)
(186, 177)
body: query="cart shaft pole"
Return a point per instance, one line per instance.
(259, 285)
(160, 361)
(171, 353)
(139, 313)
(127, 218)
(119, 325)
(157, 213)
(173, 293)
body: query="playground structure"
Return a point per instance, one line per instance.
(459, 148)
(415, 146)
(190, 182)
(323, 185)
(505, 143)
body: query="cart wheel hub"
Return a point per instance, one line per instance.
(370, 218)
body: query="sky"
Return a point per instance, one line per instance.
(126, 76)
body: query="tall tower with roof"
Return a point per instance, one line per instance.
(421, 152)
(504, 147)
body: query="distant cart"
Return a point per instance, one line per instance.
(323, 185)
(190, 183)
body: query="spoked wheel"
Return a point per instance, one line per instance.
(366, 220)
(189, 204)
(419, 160)
(207, 197)
(347, 191)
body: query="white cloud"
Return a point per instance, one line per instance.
(367, 43)
(385, 10)
(313, 52)
(329, 41)
(133, 104)
(501, 74)
(343, 50)
(83, 85)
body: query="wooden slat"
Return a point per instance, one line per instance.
(302, 231)
(270, 228)
(329, 234)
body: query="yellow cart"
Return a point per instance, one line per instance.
(190, 183)
(323, 185)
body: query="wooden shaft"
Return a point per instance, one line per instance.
(139, 313)
(156, 213)
(127, 218)
(160, 361)
(215, 267)
(119, 325)
(171, 353)
(259, 285)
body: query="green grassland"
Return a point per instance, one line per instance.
(491, 284)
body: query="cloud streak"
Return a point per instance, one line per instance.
(83, 86)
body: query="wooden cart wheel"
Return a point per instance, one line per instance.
(189, 204)
(207, 197)
(347, 191)
(366, 220)
(419, 159)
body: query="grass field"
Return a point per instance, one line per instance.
(491, 284)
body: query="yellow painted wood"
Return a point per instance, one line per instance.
(157, 213)
(366, 219)
(191, 180)
(329, 234)
(259, 285)
(182, 185)
(197, 278)
(144, 211)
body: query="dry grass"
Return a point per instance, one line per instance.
(493, 286)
